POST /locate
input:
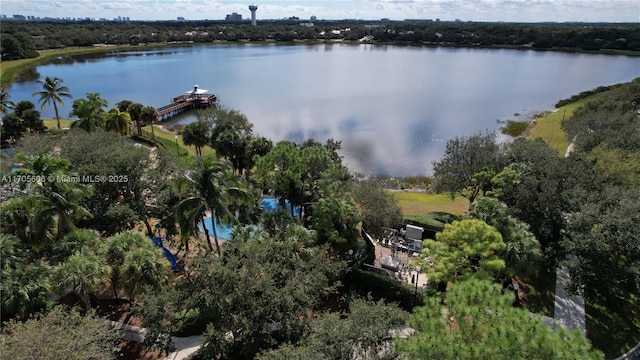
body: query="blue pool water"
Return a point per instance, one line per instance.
(224, 231)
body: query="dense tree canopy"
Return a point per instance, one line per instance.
(477, 321)
(59, 334)
(464, 158)
(275, 290)
(24, 119)
(17, 35)
(603, 234)
(281, 283)
(378, 208)
(364, 331)
(464, 248)
(522, 251)
(535, 188)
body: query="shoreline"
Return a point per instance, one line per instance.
(12, 69)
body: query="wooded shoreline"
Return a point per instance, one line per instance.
(11, 69)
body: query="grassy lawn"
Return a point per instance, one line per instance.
(10, 69)
(53, 124)
(548, 127)
(161, 133)
(616, 329)
(167, 137)
(414, 203)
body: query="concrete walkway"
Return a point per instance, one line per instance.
(568, 309)
(185, 347)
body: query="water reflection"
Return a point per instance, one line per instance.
(28, 76)
(392, 107)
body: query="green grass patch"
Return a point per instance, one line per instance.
(10, 70)
(514, 128)
(614, 329)
(548, 127)
(171, 137)
(426, 219)
(52, 124)
(415, 203)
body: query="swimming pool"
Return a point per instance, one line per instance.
(224, 231)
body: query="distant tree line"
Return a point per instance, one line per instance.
(25, 39)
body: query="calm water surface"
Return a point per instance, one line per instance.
(392, 107)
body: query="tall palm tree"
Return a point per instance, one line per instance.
(135, 111)
(53, 92)
(214, 188)
(149, 115)
(5, 103)
(90, 112)
(55, 202)
(118, 121)
(62, 206)
(123, 105)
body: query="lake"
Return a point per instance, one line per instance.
(393, 107)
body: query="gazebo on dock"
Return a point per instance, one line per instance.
(194, 98)
(197, 93)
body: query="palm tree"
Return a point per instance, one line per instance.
(135, 111)
(5, 103)
(115, 250)
(90, 112)
(15, 219)
(215, 187)
(143, 266)
(53, 92)
(9, 252)
(118, 121)
(55, 202)
(123, 105)
(25, 289)
(75, 241)
(149, 115)
(198, 134)
(62, 207)
(83, 273)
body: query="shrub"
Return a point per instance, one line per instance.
(514, 128)
(380, 287)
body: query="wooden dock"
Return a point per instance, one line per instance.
(196, 99)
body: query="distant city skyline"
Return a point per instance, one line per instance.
(446, 10)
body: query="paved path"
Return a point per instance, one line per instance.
(568, 309)
(185, 346)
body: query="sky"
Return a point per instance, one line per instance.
(445, 10)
